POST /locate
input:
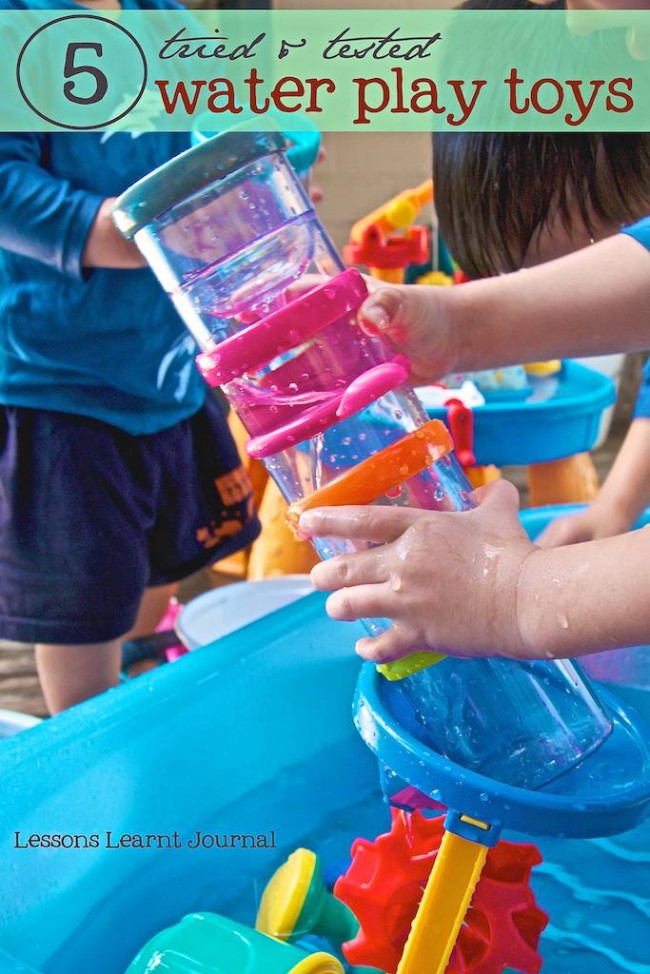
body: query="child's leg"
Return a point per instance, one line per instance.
(152, 609)
(70, 674)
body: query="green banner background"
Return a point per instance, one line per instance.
(388, 70)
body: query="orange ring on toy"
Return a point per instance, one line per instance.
(382, 472)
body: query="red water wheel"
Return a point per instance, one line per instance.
(385, 882)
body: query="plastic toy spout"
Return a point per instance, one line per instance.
(398, 213)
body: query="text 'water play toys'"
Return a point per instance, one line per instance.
(206, 943)
(233, 238)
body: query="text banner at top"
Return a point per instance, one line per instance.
(354, 70)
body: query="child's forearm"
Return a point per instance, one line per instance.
(585, 598)
(593, 302)
(626, 490)
(105, 245)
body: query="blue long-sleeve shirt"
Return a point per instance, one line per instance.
(641, 231)
(102, 343)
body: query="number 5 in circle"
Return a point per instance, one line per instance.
(71, 70)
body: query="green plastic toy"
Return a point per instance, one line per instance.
(206, 943)
(296, 902)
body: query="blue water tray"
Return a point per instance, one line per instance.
(251, 735)
(561, 417)
(608, 793)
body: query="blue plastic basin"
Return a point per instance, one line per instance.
(561, 418)
(253, 735)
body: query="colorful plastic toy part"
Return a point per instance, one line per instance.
(296, 902)
(399, 669)
(379, 252)
(362, 392)
(397, 213)
(284, 329)
(443, 907)
(461, 425)
(382, 472)
(542, 369)
(383, 887)
(435, 279)
(206, 943)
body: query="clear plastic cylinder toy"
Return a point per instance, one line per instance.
(230, 233)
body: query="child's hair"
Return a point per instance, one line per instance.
(496, 191)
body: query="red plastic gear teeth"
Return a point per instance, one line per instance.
(385, 882)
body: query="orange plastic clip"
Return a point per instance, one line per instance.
(382, 472)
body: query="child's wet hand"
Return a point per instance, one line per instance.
(447, 581)
(415, 320)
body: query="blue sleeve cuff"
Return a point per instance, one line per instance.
(642, 407)
(640, 231)
(75, 234)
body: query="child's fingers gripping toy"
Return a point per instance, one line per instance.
(230, 232)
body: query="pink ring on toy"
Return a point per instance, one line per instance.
(284, 329)
(363, 391)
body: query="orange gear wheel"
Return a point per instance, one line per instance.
(385, 882)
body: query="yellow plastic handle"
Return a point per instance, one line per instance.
(446, 899)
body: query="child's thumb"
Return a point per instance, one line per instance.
(499, 501)
(383, 310)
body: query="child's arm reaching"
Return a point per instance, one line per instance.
(622, 498)
(592, 302)
(52, 221)
(471, 584)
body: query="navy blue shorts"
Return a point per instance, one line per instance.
(91, 516)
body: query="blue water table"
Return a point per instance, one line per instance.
(248, 743)
(548, 424)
